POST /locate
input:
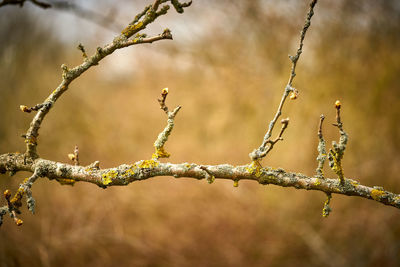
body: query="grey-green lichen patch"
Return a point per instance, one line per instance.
(62, 170)
(267, 177)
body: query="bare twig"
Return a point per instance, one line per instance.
(285, 123)
(259, 153)
(141, 39)
(70, 75)
(337, 151)
(163, 136)
(26, 109)
(321, 149)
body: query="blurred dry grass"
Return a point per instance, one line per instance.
(228, 74)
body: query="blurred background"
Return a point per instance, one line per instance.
(227, 66)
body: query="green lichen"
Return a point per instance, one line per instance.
(108, 177)
(377, 194)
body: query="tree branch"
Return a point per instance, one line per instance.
(70, 75)
(146, 169)
(262, 151)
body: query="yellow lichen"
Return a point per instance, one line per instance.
(355, 183)
(255, 168)
(128, 31)
(160, 153)
(148, 164)
(109, 176)
(211, 179)
(130, 171)
(235, 183)
(376, 194)
(318, 182)
(65, 181)
(31, 140)
(187, 165)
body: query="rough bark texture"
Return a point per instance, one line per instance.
(145, 169)
(125, 174)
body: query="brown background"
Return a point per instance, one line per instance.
(227, 67)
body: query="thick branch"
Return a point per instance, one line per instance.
(145, 169)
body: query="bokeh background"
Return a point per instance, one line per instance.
(227, 66)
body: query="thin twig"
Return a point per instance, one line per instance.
(69, 75)
(140, 40)
(337, 151)
(260, 152)
(163, 136)
(285, 123)
(321, 149)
